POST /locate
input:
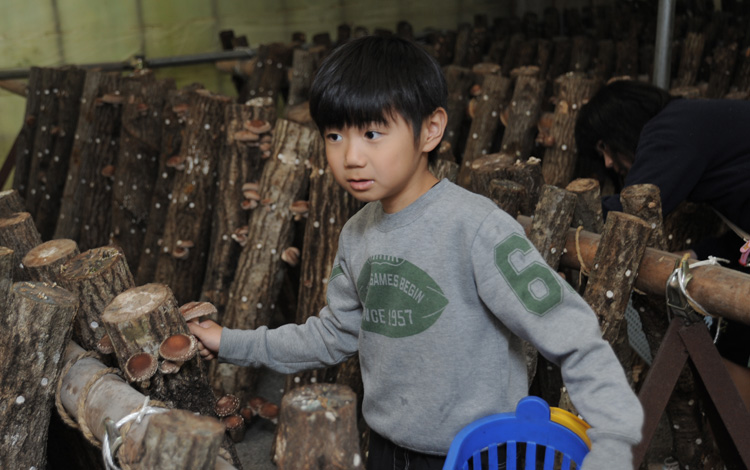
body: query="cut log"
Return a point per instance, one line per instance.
(581, 53)
(44, 262)
(260, 269)
(96, 276)
(10, 203)
(507, 195)
(588, 213)
(179, 439)
(85, 206)
(690, 223)
(318, 429)
(239, 168)
(137, 321)
(691, 56)
(19, 233)
(53, 141)
(488, 168)
(604, 63)
(552, 217)
(174, 119)
(484, 124)
(330, 207)
(108, 397)
(187, 228)
(560, 58)
(559, 162)
(722, 69)
(25, 140)
(7, 260)
(136, 171)
(524, 110)
(459, 80)
(269, 76)
(304, 65)
(41, 327)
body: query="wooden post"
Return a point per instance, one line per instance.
(7, 260)
(484, 124)
(304, 65)
(722, 67)
(19, 233)
(459, 80)
(175, 114)
(487, 168)
(179, 439)
(89, 401)
(44, 262)
(96, 276)
(25, 141)
(552, 217)
(588, 213)
(137, 321)
(525, 107)
(507, 195)
(559, 162)
(187, 227)
(53, 141)
(330, 207)
(260, 269)
(239, 169)
(318, 429)
(135, 172)
(270, 73)
(86, 199)
(690, 59)
(40, 326)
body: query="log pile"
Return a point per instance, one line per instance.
(138, 198)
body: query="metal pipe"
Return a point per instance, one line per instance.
(160, 62)
(663, 46)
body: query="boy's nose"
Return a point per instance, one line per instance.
(353, 156)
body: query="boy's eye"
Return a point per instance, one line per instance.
(372, 135)
(333, 137)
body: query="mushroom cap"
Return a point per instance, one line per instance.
(269, 410)
(247, 414)
(193, 310)
(104, 345)
(169, 367)
(234, 421)
(178, 348)
(141, 366)
(258, 126)
(227, 405)
(255, 403)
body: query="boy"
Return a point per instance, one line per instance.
(433, 285)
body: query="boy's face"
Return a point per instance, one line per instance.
(381, 162)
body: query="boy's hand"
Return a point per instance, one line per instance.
(208, 334)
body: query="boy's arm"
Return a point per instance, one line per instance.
(323, 340)
(536, 304)
(208, 334)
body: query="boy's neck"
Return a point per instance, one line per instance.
(418, 187)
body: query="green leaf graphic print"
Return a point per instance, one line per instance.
(399, 298)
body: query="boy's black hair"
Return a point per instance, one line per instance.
(369, 79)
(616, 116)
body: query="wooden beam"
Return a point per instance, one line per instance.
(721, 291)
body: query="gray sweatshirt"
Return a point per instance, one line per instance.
(436, 298)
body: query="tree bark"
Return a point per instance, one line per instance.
(86, 200)
(581, 53)
(690, 223)
(175, 114)
(507, 195)
(41, 326)
(7, 260)
(318, 429)
(109, 397)
(487, 168)
(10, 203)
(96, 276)
(137, 163)
(19, 233)
(44, 262)
(524, 110)
(269, 76)
(485, 123)
(604, 63)
(690, 59)
(179, 439)
(304, 65)
(187, 228)
(722, 69)
(552, 218)
(459, 81)
(559, 162)
(260, 270)
(588, 213)
(240, 163)
(53, 141)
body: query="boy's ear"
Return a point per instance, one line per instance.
(433, 128)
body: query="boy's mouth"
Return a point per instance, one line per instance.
(360, 185)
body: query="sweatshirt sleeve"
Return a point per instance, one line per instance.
(323, 340)
(536, 304)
